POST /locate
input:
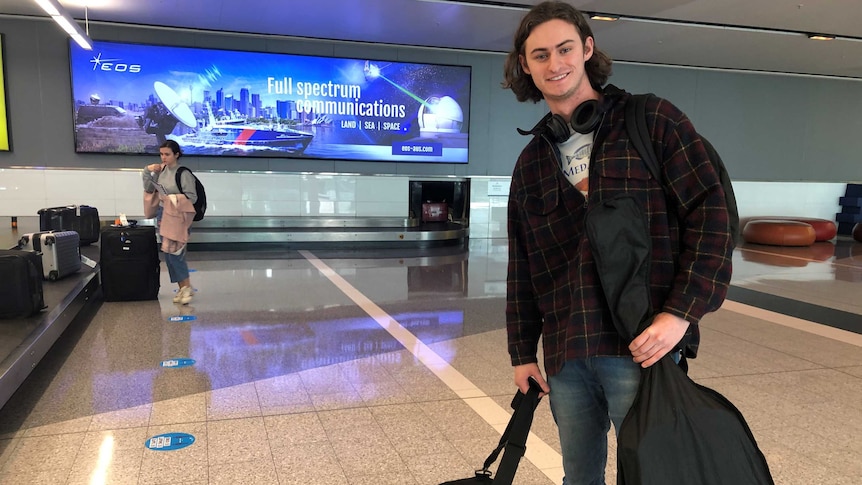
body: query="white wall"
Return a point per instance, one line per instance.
(794, 199)
(797, 199)
(24, 191)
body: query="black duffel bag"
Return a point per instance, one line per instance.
(513, 441)
(676, 431)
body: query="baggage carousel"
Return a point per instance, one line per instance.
(25, 341)
(239, 233)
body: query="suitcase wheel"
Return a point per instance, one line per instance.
(53, 276)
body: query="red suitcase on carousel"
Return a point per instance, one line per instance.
(435, 212)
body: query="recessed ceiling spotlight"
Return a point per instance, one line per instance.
(606, 18)
(821, 37)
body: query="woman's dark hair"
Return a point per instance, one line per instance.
(174, 146)
(597, 67)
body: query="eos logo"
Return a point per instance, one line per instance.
(119, 67)
(112, 65)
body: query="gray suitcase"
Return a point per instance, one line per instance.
(60, 250)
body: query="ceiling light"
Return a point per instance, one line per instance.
(49, 7)
(62, 17)
(821, 37)
(606, 18)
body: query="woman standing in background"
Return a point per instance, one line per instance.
(175, 213)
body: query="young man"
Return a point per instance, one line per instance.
(580, 155)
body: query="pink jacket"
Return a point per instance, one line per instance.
(175, 224)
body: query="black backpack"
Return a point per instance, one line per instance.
(201, 203)
(636, 126)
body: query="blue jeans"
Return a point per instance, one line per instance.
(178, 268)
(586, 396)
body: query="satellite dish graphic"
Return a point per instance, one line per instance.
(441, 114)
(161, 118)
(175, 104)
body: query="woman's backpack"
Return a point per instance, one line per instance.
(201, 203)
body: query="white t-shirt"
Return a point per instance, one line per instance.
(575, 153)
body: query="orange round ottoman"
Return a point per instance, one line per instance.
(824, 229)
(778, 232)
(857, 232)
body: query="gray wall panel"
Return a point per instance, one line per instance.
(505, 116)
(307, 47)
(482, 75)
(23, 95)
(758, 127)
(55, 99)
(834, 124)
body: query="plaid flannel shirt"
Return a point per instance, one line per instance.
(553, 289)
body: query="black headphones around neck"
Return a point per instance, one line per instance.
(584, 120)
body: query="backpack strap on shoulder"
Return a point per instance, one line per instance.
(179, 176)
(636, 126)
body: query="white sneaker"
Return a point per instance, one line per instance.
(187, 294)
(184, 295)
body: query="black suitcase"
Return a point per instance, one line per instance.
(60, 251)
(20, 283)
(83, 219)
(129, 263)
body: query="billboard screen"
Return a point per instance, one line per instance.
(128, 98)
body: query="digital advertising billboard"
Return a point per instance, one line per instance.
(129, 98)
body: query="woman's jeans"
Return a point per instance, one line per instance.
(586, 396)
(178, 269)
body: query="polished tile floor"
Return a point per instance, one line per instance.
(390, 367)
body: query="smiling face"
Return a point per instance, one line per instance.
(554, 57)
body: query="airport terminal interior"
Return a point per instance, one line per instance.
(320, 364)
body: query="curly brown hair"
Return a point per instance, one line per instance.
(597, 67)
